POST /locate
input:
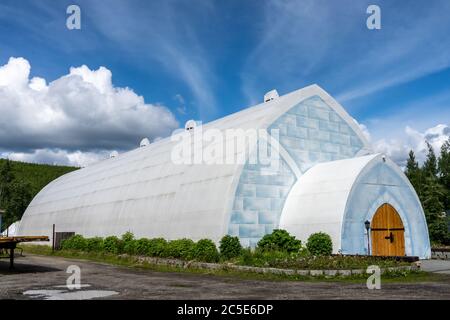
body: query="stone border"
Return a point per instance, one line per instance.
(261, 270)
(440, 254)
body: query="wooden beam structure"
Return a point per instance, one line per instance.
(10, 243)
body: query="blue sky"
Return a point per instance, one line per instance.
(206, 59)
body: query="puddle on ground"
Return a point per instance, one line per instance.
(69, 294)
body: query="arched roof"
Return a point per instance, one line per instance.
(337, 197)
(143, 191)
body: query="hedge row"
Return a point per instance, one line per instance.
(203, 250)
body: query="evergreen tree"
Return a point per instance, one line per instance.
(430, 164)
(6, 178)
(18, 201)
(444, 172)
(433, 193)
(414, 173)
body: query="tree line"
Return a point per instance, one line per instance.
(20, 182)
(432, 183)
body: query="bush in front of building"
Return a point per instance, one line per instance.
(279, 240)
(320, 244)
(205, 250)
(156, 247)
(129, 244)
(230, 247)
(76, 242)
(142, 246)
(181, 248)
(94, 244)
(112, 244)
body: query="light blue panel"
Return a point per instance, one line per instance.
(269, 228)
(329, 126)
(344, 128)
(313, 145)
(296, 132)
(253, 242)
(334, 117)
(379, 184)
(267, 217)
(256, 203)
(305, 122)
(276, 204)
(320, 114)
(301, 109)
(246, 190)
(329, 147)
(346, 151)
(355, 141)
(238, 203)
(233, 229)
(244, 217)
(263, 191)
(311, 132)
(292, 142)
(252, 230)
(340, 139)
(317, 134)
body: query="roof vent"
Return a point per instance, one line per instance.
(271, 95)
(144, 142)
(190, 125)
(114, 154)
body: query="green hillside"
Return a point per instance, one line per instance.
(20, 182)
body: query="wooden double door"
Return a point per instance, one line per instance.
(387, 232)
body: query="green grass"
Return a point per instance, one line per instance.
(130, 262)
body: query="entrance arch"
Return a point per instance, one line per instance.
(387, 232)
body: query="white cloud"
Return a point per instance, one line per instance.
(57, 157)
(364, 130)
(78, 112)
(398, 148)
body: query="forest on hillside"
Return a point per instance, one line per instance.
(20, 182)
(431, 181)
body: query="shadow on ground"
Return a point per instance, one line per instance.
(24, 268)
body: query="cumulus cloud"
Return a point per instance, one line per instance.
(398, 149)
(58, 157)
(79, 113)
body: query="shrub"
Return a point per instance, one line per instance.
(320, 244)
(142, 246)
(94, 244)
(112, 244)
(128, 243)
(127, 236)
(181, 248)
(76, 242)
(130, 247)
(279, 240)
(156, 247)
(230, 247)
(205, 250)
(246, 257)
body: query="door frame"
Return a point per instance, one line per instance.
(403, 228)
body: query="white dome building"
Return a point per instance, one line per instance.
(326, 179)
